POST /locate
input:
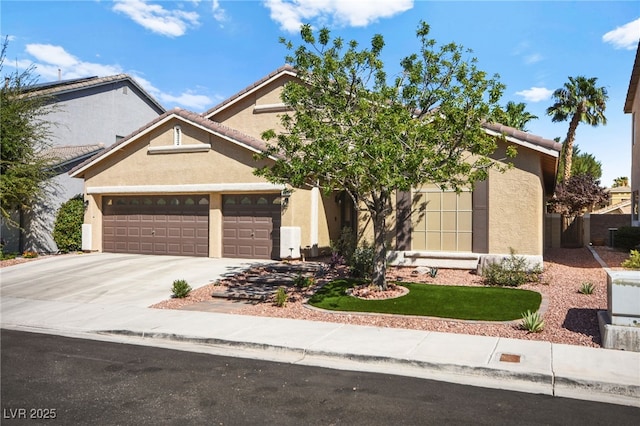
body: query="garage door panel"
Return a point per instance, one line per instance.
(176, 225)
(262, 234)
(249, 225)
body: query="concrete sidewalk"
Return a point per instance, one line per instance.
(528, 366)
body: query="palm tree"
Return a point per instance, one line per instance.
(579, 101)
(621, 181)
(516, 115)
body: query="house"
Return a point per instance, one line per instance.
(632, 106)
(183, 184)
(90, 113)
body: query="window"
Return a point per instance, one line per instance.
(442, 220)
(177, 136)
(635, 208)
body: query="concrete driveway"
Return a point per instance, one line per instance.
(109, 278)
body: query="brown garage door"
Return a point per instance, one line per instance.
(174, 225)
(251, 226)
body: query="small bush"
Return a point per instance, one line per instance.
(302, 282)
(7, 256)
(633, 262)
(532, 322)
(433, 272)
(361, 264)
(29, 254)
(336, 260)
(587, 288)
(180, 289)
(627, 237)
(67, 229)
(512, 271)
(346, 244)
(281, 297)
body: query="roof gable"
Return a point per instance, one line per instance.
(188, 117)
(247, 91)
(57, 88)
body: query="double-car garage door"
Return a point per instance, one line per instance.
(173, 225)
(179, 225)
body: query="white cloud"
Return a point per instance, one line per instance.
(536, 94)
(532, 58)
(154, 17)
(50, 61)
(188, 99)
(291, 14)
(219, 13)
(624, 37)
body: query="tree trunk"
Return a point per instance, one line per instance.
(379, 216)
(568, 146)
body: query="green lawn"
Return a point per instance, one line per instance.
(469, 303)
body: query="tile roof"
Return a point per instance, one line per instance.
(633, 83)
(66, 86)
(59, 156)
(523, 136)
(283, 69)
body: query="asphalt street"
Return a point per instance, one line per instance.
(75, 381)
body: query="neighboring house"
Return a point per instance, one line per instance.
(91, 113)
(632, 106)
(184, 185)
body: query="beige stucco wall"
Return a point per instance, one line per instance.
(516, 203)
(243, 115)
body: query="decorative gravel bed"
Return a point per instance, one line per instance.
(570, 317)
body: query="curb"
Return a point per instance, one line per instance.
(481, 376)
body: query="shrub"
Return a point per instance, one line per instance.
(532, 322)
(512, 271)
(361, 264)
(302, 282)
(586, 288)
(7, 256)
(336, 260)
(180, 289)
(433, 272)
(344, 248)
(633, 262)
(281, 297)
(627, 237)
(29, 254)
(67, 229)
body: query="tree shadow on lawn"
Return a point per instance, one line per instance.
(583, 321)
(571, 257)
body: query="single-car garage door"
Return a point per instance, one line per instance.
(173, 225)
(251, 226)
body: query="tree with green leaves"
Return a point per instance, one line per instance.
(621, 181)
(579, 101)
(515, 115)
(25, 132)
(582, 163)
(351, 129)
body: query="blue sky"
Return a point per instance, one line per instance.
(196, 53)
